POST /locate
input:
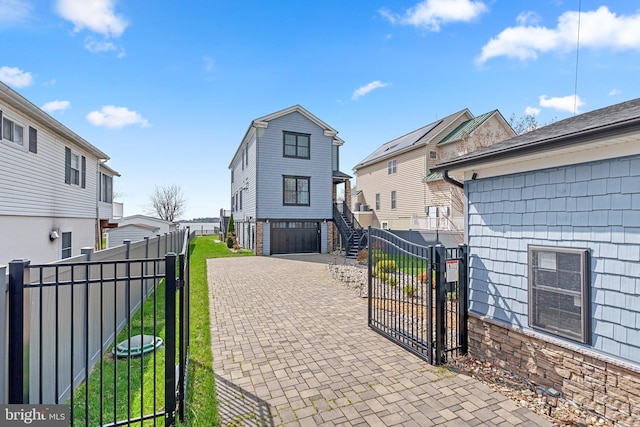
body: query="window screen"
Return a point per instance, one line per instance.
(559, 300)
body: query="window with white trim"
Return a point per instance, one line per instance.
(75, 168)
(385, 225)
(65, 243)
(559, 298)
(392, 167)
(12, 131)
(377, 201)
(393, 199)
(105, 189)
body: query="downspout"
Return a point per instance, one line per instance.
(447, 178)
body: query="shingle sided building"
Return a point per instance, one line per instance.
(284, 179)
(552, 220)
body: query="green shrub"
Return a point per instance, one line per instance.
(230, 242)
(393, 280)
(383, 276)
(410, 290)
(374, 273)
(386, 266)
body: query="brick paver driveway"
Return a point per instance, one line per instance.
(291, 347)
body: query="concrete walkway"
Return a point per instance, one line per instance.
(291, 346)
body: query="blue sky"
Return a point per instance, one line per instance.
(167, 89)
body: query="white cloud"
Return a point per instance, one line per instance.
(599, 29)
(570, 103)
(613, 92)
(527, 18)
(56, 105)
(15, 77)
(209, 64)
(431, 14)
(114, 117)
(14, 11)
(362, 91)
(532, 111)
(97, 16)
(96, 46)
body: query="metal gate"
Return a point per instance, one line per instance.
(418, 295)
(65, 320)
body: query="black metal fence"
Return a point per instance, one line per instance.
(418, 295)
(66, 319)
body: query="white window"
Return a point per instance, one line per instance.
(75, 169)
(65, 242)
(393, 199)
(385, 225)
(11, 131)
(391, 167)
(433, 155)
(559, 300)
(377, 201)
(106, 188)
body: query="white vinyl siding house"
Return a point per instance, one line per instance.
(41, 191)
(423, 200)
(283, 171)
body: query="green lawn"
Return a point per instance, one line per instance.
(201, 408)
(202, 405)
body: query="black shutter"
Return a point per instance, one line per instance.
(33, 140)
(83, 178)
(67, 165)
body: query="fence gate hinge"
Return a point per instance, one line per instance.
(179, 283)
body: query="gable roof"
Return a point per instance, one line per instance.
(411, 139)
(22, 104)
(467, 127)
(608, 121)
(263, 122)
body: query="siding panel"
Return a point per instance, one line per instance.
(499, 283)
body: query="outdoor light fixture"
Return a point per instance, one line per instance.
(551, 396)
(53, 235)
(474, 176)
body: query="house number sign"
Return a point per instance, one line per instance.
(452, 270)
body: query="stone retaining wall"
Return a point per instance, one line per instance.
(602, 384)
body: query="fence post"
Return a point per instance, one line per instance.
(4, 309)
(18, 356)
(127, 283)
(369, 280)
(463, 304)
(441, 301)
(183, 335)
(170, 331)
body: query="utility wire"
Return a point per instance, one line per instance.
(575, 89)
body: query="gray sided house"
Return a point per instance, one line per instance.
(552, 220)
(284, 176)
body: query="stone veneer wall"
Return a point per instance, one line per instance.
(604, 385)
(259, 225)
(331, 236)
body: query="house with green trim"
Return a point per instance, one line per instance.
(395, 186)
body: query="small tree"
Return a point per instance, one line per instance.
(168, 202)
(231, 232)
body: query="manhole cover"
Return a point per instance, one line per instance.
(137, 345)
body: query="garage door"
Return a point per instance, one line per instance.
(290, 237)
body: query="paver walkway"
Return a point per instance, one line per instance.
(291, 346)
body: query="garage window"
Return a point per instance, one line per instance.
(296, 191)
(559, 301)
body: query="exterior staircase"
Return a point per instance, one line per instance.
(353, 235)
